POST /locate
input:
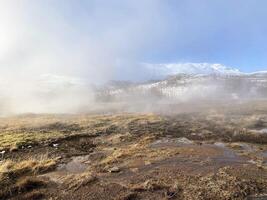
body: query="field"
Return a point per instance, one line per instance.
(219, 152)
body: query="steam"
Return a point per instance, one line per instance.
(55, 54)
(45, 38)
(89, 42)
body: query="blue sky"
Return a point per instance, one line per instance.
(228, 32)
(216, 31)
(100, 39)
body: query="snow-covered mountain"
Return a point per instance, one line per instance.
(190, 81)
(182, 81)
(161, 70)
(176, 83)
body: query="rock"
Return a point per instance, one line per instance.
(114, 170)
(55, 145)
(184, 140)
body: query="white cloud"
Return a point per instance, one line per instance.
(84, 39)
(66, 39)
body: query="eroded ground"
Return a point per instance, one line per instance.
(213, 154)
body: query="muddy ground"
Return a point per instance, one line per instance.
(216, 153)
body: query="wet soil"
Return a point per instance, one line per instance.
(188, 156)
(193, 160)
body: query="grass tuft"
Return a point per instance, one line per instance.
(17, 177)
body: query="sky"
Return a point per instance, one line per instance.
(99, 40)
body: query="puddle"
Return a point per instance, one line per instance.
(228, 156)
(220, 144)
(217, 154)
(77, 165)
(205, 161)
(263, 130)
(171, 142)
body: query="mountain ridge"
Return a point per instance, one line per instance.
(164, 70)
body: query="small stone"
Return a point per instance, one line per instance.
(88, 162)
(184, 140)
(147, 163)
(114, 170)
(55, 145)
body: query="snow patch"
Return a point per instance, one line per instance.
(191, 69)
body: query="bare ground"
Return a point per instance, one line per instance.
(215, 153)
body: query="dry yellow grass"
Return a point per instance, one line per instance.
(76, 181)
(22, 131)
(26, 167)
(140, 150)
(15, 140)
(18, 177)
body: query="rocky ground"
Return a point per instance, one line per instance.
(216, 153)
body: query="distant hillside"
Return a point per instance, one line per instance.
(190, 86)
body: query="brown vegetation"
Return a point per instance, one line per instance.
(213, 154)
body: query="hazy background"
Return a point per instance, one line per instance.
(52, 50)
